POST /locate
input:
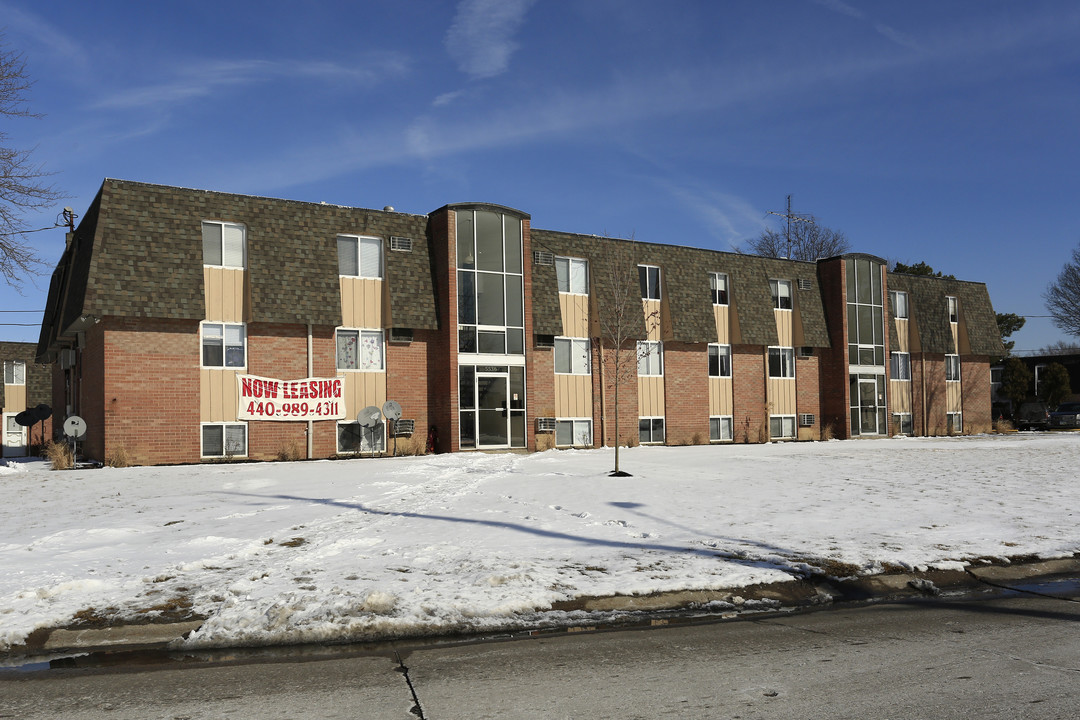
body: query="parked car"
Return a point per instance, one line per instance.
(1067, 415)
(1033, 416)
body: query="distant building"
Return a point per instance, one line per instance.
(1037, 365)
(186, 325)
(26, 385)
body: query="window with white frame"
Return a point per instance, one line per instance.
(954, 311)
(781, 362)
(224, 345)
(649, 279)
(898, 300)
(719, 360)
(781, 294)
(782, 427)
(650, 430)
(572, 275)
(360, 256)
(718, 286)
(572, 356)
(14, 372)
(573, 432)
(952, 368)
(223, 244)
(902, 423)
(224, 440)
(720, 428)
(954, 423)
(352, 437)
(650, 358)
(900, 366)
(360, 350)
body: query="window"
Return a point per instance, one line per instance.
(719, 360)
(902, 421)
(898, 301)
(360, 350)
(573, 433)
(14, 372)
(865, 315)
(650, 430)
(900, 366)
(490, 284)
(782, 427)
(952, 368)
(650, 358)
(649, 277)
(360, 256)
(572, 356)
(223, 244)
(720, 428)
(718, 286)
(352, 437)
(781, 294)
(781, 362)
(954, 314)
(224, 439)
(954, 423)
(223, 345)
(573, 275)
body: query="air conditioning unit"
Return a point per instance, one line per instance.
(806, 419)
(67, 359)
(401, 335)
(545, 424)
(401, 244)
(545, 341)
(404, 428)
(805, 352)
(805, 284)
(543, 257)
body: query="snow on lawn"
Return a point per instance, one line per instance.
(357, 549)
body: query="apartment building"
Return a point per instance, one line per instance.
(187, 325)
(27, 385)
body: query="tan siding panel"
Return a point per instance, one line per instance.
(902, 337)
(575, 315)
(722, 316)
(361, 302)
(651, 311)
(953, 395)
(14, 398)
(780, 393)
(784, 332)
(720, 396)
(224, 293)
(218, 395)
(573, 396)
(363, 389)
(899, 396)
(650, 396)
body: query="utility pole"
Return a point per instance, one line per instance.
(791, 217)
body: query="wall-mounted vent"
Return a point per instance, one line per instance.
(804, 351)
(543, 257)
(401, 244)
(545, 425)
(805, 284)
(404, 428)
(545, 341)
(806, 419)
(401, 335)
(67, 359)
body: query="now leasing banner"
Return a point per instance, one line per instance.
(292, 400)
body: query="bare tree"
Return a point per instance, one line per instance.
(621, 319)
(23, 185)
(1061, 347)
(1063, 297)
(799, 241)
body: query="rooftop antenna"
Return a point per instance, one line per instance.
(791, 217)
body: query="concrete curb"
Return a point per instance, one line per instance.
(805, 592)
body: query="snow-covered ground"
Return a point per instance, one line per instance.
(356, 549)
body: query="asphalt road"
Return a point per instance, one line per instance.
(1016, 657)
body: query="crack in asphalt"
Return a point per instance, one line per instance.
(401, 668)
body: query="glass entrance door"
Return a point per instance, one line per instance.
(868, 407)
(493, 421)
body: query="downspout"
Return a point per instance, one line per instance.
(922, 372)
(310, 373)
(603, 395)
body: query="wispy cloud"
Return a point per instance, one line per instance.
(887, 31)
(481, 38)
(57, 44)
(204, 79)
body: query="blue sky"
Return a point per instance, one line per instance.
(945, 132)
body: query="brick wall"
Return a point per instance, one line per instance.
(686, 393)
(628, 396)
(149, 395)
(808, 395)
(975, 379)
(280, 351)
(833, 361)
(540, 380)
(408, 381)
(749, 413)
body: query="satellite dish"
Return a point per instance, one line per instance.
(75, 427)
(41, 412)
(369, 417)
(26, 418)
(392, 410)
